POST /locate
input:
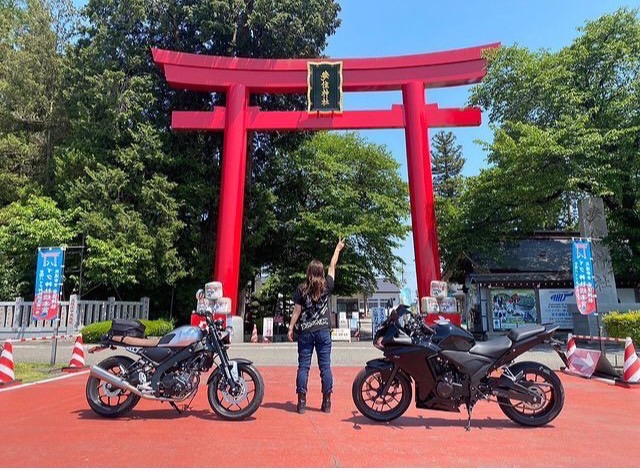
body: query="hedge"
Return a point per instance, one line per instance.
(623, 325)
(93, 333)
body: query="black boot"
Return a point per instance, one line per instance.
(302, 402)
(326, 403)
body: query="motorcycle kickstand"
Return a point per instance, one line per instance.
(173, 404)
(469, 410)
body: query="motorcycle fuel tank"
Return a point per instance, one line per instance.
(181, 337)
(451, 337)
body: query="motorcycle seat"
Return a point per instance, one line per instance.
(524, 332)
(136, 342)
(492, 348)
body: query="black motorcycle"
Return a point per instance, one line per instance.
(450, 369)
(168, 370)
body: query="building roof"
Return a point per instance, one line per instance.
(385, 286)
(534, 255)
(517, 280)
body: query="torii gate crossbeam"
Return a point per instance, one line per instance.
(238, 78)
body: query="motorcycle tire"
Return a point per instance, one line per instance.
(97, 391)
(368, 383)
(543, 380)
(219, 394)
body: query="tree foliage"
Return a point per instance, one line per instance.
(566, 125)
(33, 35)
(336, 185)
(446, 163)
(26, 225)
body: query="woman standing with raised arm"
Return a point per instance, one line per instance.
(314, 329)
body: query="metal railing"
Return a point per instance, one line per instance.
(16, 321)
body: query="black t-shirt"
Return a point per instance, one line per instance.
(314, 315)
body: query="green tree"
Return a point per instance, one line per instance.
(337, 185)
(566, 125)
(33, 35)
(24, 226)
(446, 163)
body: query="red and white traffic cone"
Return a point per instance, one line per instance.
(7, 371)
(631, 371)
(77, 357)
(571, 348)
(254, 334)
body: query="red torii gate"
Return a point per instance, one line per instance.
(239, 77)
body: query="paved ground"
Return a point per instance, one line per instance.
(50, 425)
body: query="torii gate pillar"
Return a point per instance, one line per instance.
(423, 214)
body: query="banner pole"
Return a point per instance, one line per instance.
(54, 342)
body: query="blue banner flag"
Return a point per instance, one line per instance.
(49, 272)
(583, 282)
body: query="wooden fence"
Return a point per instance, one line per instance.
(16, 322)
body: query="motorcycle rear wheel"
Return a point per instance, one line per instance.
(240, 404)
(366, 393)
(107, 400)
(546, 384)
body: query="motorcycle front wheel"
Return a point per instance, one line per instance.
(367, 396)
(238, 403)
(105, 399)
(546, 385)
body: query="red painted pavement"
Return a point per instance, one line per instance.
(50, 425)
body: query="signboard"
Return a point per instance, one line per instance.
(341, 335)
(553, 307)
(455, 319)
(513, 308)
(378, 316)
(49, 272)
(324, 87)
(73, 313)
(583, 362)
(342, 320)
(353, 324)
(583, 284)
(198, 321)
(267, 329)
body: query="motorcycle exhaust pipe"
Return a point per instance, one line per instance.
(119, 383)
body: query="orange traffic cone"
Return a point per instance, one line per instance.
(631, 371)
(571, 347)
(7, 372)
(77, 357)
(254, 334)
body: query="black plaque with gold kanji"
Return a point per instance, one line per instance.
(324, 92)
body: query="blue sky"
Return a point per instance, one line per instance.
(373, 28)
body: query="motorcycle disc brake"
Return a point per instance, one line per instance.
(239, 396)
(539, 393)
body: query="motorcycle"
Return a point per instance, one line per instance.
(450, 369)
(168, 370)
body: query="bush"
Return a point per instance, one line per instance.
(623, 325)
(93, 333)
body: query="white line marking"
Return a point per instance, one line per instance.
(65, 376)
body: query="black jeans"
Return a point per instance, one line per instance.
(321, 340)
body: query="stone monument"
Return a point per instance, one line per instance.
(593, 225)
